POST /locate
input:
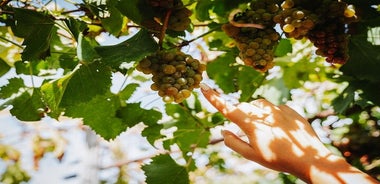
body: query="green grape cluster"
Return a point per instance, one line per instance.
(175, 74)
(179, 19)
(256, 45)
(295, 21)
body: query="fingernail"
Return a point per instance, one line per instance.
(204, 87)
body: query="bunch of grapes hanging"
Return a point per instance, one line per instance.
(175, 74)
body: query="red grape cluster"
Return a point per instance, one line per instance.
(175, 74)
(330, 34)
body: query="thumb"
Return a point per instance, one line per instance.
(235, 143)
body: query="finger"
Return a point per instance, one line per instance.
(227, 109)
(240, 115)
(235, 143)
(263, 104)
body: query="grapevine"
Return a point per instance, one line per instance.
(175, 74)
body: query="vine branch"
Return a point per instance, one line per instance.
(187, 42)
(164, 27)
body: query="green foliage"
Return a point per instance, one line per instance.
(4, 67)
(13, 86)
(14, 174)
(133, 49)
(36, 29)
(133, 114)
(283, 47)
(231, 77)
(164, 169)
(61, 49)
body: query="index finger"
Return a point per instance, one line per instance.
(229, 110)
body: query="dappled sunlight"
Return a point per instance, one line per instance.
(281, 139)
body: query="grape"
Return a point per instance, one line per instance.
(175, 74)
(287, 4)
(288, 28)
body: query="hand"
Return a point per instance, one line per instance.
(280, 139)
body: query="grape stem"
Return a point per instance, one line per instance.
(237, 24)
(164, 27)
(187, 42)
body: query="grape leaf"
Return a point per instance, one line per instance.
(132, 114)
(100, 114)
(274, 90)
(223, 7)
(115, 22)
(53, 92)
(31, 68)
(202, 10)
(127, 92)
(62, 55)
(13, 86)
(190, 132)
(152, 132)
(36, 29)
(4, 67)
(85, 49)
(75, 26)
(135, 10)
(284, 47)
(163, 169)
(86, 82)
(28, 106)
(344, 100)
(218, 40)
(302, 70)
(364, 60)
(223, 73)
(133, 49)
(249, 80)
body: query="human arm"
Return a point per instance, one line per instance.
(281, 139)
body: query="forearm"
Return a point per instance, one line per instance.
(333, 170)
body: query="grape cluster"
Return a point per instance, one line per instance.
(331, 42)
(179, 19)
(325, 25)
(330, 35)
(256, 46)
(175, 74)
(295, 21)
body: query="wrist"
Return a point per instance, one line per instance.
(334, 169)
